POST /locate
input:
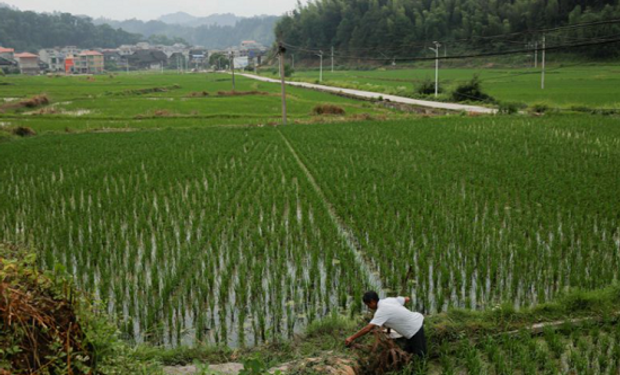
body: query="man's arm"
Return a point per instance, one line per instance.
(359, 334)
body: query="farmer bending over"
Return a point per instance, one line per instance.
(391, 313)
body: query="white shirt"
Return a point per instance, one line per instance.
(392, 314)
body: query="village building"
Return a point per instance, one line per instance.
(8, 66)
(54, 59)
(113, 59)
(177, 60)
(8, 53)
(148, 59)
(89, 62)
(198, 58)
(28, 63)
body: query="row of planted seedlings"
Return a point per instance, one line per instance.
(468, 216)
(281, 262)
(223, 242)
(125, 230)
(583, 348)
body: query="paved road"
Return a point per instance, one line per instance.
(374, 95)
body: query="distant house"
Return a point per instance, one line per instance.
(8, 65)
(148, 59)
(54, 59)
(198, 58)
(69, 64)
(113, 59)
(28, 63)
(8, 53)
(89, 62)
(177, 60)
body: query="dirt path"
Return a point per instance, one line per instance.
(375, 95)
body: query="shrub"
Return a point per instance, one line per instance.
(427, 87)
(471, 91)
(24, 131)
(288, 70)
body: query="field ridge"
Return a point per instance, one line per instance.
(352, 242)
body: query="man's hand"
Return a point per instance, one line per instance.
(349, 341)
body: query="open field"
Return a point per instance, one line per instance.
(162, 101)
(238, 235)
(593, 86)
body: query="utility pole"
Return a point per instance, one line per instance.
(542, 77)
(436, 50)
(281, 52)
(293, 61)
(536, 54)
(232, 68)
(321, 75)
(332, 59)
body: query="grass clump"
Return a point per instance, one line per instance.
(510, 108)
(539, 108)
(328, 109)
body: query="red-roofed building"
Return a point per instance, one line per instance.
(28, 63)
(89, 62)
(7, 52)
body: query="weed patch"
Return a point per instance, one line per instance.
(241, 93)
(328, 109)
(33, 102)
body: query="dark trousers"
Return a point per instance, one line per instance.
(416, 345)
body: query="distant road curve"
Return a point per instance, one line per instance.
(375, 95)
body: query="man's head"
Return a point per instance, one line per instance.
(371, 299)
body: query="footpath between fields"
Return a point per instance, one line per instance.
(369, 95)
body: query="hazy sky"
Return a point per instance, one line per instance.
(152, 9)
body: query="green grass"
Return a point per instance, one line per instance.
(594, 86)
(78, 103)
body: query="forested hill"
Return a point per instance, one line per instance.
(30, 31)
(260, 29)
(361, 28)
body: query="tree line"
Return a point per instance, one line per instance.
(259, 29)
(31, 31)
(393, 28)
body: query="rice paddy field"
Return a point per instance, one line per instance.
(176, 204)
(141, 101)
(235, 235)
(567, 86)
